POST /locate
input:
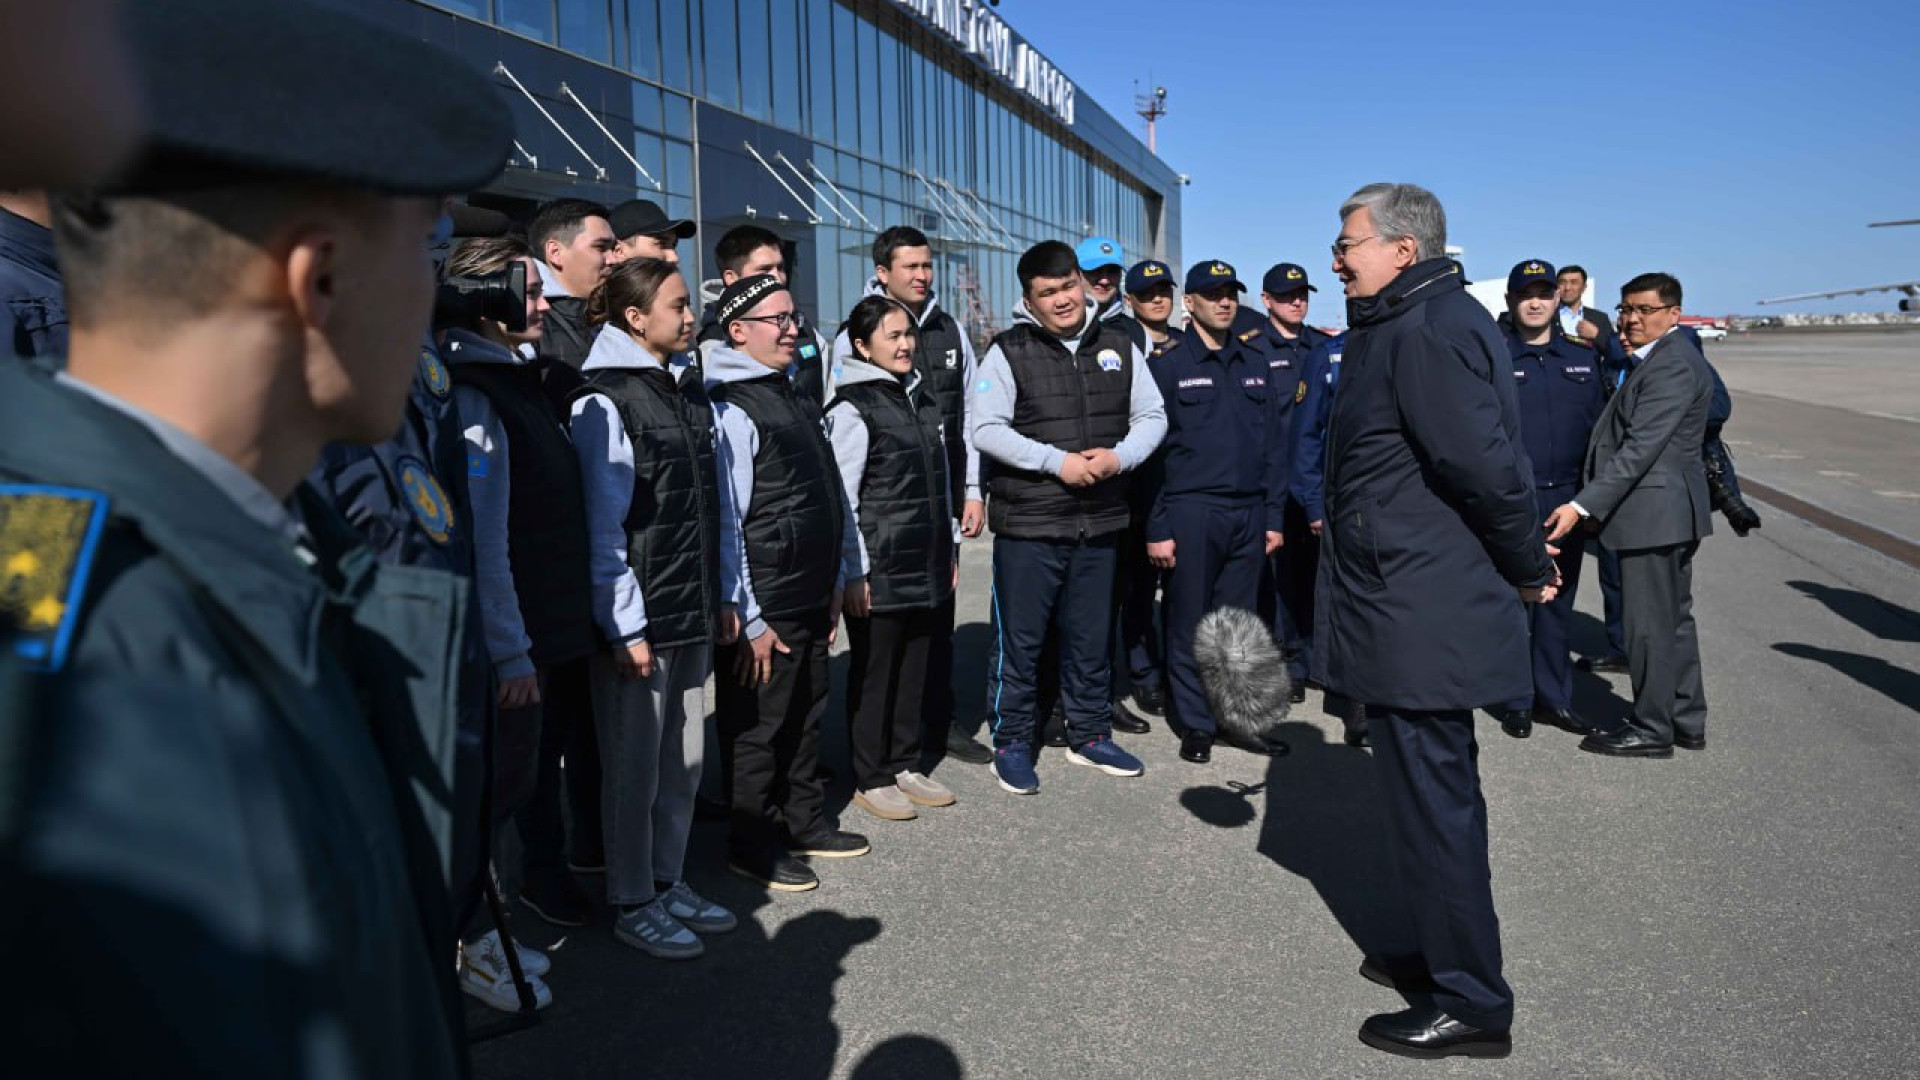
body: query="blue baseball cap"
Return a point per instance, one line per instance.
(1285, 278)
(1210, 275)
(1097, 251)
(1148, 275)
(1527, 273)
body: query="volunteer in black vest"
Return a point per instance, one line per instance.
(1064, 408)
(643, 431)
(786, 515)
(530, 552)
(944, 363)
(901, 561)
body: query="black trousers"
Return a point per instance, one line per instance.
(1429, 773)
(566, 731)
(1218, 554)
(770, 737)
(1663, 647)
(1065, 587)
(937, 703)
(891, 658)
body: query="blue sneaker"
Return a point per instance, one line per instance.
(1013, 767)
(1105, 754)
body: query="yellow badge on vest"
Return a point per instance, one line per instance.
(433, 374)
(47, 539)
(427, 500)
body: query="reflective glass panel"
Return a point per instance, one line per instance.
(676, 45)
(586, 28)
(534, 18)
(719, 39)
(755, 61)
(643, 38)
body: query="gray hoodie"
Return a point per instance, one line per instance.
(739, 444)
(607, 462)
(990, 406)
(848, 433)
(843, 348)
(489, 493)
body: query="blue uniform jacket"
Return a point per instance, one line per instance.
(1559, 387)
(1313, 401)
(33, 306)
(1287, 363)
(1430, 520)
(1223, 432)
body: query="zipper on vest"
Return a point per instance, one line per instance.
(1086, 432)
(709, 572)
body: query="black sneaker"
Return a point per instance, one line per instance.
(777, 870)
(1125, 721)
(962, 747)
(829, 843)
(556, 897)
(1150, 698)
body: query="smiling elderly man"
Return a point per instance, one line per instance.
(1431, 544)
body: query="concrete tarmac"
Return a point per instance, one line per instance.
(1748, 910)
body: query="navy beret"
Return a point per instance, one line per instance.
(241, 91)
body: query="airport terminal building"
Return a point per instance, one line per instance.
(821, 120)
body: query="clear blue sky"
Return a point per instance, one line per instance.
(1741, 146)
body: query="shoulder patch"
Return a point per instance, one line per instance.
(1300, 392)
(433, 374)
(427, 500)
(48, 536)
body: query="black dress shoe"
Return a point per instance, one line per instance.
(1054, 732)
(1150, 699)
(1297, 693)
(963, 747)
(1397, 973)
(1430, 1033)
(1602, 665)
(1627, 742)
(1357, 737)
(1265, 746)
(1565, 719)
(1354, 719)
(1126, 722)
(1690, 742)
(1517, 722)
(1197, 747)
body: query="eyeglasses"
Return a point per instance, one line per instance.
(1341, 247)
(1643, 310)
(784, 321)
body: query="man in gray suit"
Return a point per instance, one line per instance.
(1645, 488)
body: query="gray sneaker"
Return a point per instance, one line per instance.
(886, 803)
(653, 931)
(923, 790)
(696, 912)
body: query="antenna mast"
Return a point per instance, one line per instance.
(1151, 108)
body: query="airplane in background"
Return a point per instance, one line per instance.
(1910, 290)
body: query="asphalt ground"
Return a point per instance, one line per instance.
(1748, 910)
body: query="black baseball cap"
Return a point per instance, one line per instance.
(641, 217)
(282, 91)
(1285, 278)
(1531, 272)
(1148, 274)
(1210, 275)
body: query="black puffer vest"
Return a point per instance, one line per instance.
(903, 497)
(546, 516)
(793, 522)
(1076, 403)
(940, 357)
(673, 520)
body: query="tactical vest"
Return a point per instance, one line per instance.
(903, 497)
(1074, 402)
(546, 515)
(673, 520)
(793, 521)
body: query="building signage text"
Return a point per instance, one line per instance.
(986, 37)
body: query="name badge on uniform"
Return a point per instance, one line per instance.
(1196, 381)
(1580, 371)
(1279, 361)
(1109, 360)
(427, 500)
(1253, 382)
(47, 540)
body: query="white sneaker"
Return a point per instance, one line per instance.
(923, 790)
(653, 931)
(696, 912)
(484, 975)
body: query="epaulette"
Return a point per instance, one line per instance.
(48, 536)
(1251, 334)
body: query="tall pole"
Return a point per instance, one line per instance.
(1151, 107)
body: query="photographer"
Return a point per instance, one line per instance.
(530, 547)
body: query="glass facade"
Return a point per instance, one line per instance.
(822, 120)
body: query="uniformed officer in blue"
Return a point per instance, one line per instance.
(1219, 487)
(1558, 383)
(1149, 322)
(1293, 350)
(1432, 545)
(222, 868)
